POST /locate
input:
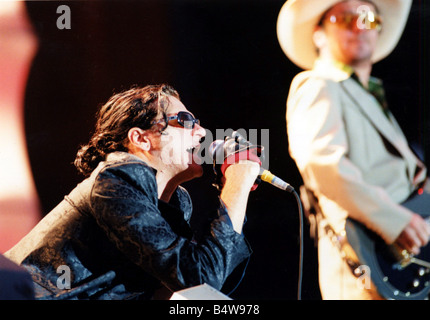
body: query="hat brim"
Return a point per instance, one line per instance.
(297, 20)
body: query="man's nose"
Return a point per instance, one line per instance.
(199, 130)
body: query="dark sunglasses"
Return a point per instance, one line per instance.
(371, 21)
(183, 118)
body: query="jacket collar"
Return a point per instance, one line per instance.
(338, 71)
(333, 70)
(386, 125)
(180, 198)
(341, 73)
(122, 156)
(119, 156)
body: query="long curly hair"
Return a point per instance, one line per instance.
(136, 107)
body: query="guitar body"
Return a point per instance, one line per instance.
(393, 281)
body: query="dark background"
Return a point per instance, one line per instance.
(224, 59)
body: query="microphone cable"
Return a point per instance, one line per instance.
(301, 244)
(267, 176)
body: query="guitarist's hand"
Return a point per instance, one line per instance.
(415, 235)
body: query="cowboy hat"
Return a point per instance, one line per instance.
(298, 18)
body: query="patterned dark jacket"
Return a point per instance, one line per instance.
(111, 238)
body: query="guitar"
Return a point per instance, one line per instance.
(396, 274)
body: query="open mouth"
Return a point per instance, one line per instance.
(194, 155)
(192, 150)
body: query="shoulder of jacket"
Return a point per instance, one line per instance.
(312, 79)
(133, 171)
(122, 161)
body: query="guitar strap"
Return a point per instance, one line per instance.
(318, 221)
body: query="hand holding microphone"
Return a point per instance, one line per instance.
(236, 148)
(236, 175)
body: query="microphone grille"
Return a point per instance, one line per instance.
(216, 148)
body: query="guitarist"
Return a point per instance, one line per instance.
(348, 147)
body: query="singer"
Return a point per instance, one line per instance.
(123, 232)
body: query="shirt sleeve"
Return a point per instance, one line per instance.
(125, 205)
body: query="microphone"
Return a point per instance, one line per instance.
(217, 148)
(267, 176)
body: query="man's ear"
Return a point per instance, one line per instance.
(138, 138)
(319, 37)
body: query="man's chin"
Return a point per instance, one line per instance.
(191, 172)
(195, 170)
(362, 56)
